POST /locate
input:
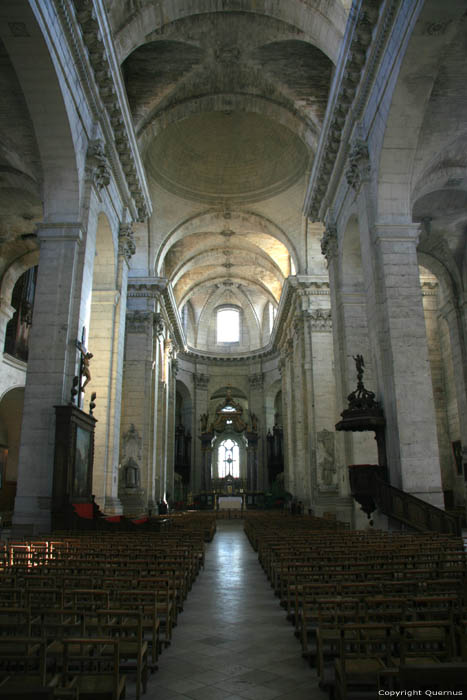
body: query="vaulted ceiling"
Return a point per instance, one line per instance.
(227, 105)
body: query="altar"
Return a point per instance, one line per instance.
(230, 502)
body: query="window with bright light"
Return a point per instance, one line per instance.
(228, 325)
(228, 459)
(272, 315)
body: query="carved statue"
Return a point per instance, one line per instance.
(204, 422)
(84, 369)
(359, 364)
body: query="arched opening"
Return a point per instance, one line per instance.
(228, 324)
(17, 330)
(11, 415)
(228, 459)
(443, 378)
(183, 443)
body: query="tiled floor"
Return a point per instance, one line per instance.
(232, 641)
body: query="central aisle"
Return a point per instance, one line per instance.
(232, 640)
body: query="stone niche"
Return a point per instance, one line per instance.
(130, 493)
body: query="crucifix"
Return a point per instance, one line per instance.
(84, 370)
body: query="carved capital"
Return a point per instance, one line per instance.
(97, 165)
(329, 244)
(359, 164)
(126, 241)
(320, 319)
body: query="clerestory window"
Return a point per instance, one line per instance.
(228, 325)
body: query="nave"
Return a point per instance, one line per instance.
(233, 640)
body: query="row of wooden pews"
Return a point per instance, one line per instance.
(370, 608)
(78, 612)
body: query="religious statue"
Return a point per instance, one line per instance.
(204, 422)
(84, 367)
(359, 365)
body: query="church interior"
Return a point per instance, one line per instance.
(233, 321)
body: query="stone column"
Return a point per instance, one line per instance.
(350, 337)
(173, 368)
(302, 395)
(289, 402)
(108, 477)
(138, 395)
(201, 406)
(206, 460)
(454, 315)
(256, 407)
(51, 364)
(252, 462)
(407, 393)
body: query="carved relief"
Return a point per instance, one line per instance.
(97, 164)
(321, 319)
(329, 244)
(158, 323)
(326, 457)
(126, 241)
(359, 164)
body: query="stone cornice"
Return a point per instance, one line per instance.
(366, 35)
(160, 288)
(86, 28)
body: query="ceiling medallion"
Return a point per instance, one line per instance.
(227, 233)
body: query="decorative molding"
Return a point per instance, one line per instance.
(126, 241)
(359, 164)
(86, 29)
(365, 29)
(320, 319)
(97, 164)
(147, 287)
(329, 243)
(158, 324)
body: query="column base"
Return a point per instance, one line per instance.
(113, 506)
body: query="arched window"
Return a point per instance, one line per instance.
(228, 325)
(228, 459)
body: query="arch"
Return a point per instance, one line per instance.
(201, 257)
(323, 30)
(14, 272)
(407, 95)
(52, 112)
(11, 416)
(216, 221)
(249, 323)
(283, 114)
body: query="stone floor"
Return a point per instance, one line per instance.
(232, 640)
